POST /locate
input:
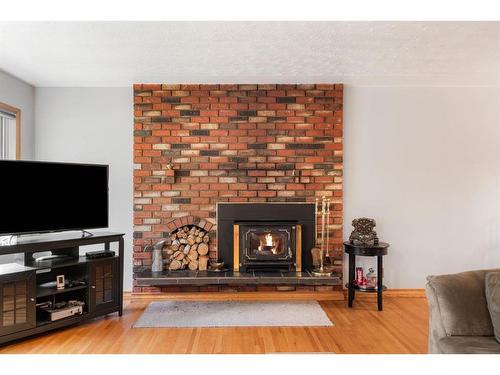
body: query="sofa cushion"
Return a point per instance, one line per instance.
(468, 345)
(462, 303)
(492, 282)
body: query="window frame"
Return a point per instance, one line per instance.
(17, 113)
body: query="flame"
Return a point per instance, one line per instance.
(269, 242)
(269, 239)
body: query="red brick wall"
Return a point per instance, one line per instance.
(236, 143)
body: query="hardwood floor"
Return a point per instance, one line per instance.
(400, 328)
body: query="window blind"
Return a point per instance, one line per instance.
(7, 136)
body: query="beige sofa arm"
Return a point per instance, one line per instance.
(436, 327)
(457, 306)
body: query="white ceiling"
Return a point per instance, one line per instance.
(365, 53)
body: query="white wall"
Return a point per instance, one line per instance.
(424, 162)
(21, 95)
(92, 125)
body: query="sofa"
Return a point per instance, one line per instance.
(459, 319)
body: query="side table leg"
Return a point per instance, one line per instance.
(380, 284)
(352, 268)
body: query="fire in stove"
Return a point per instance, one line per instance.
(269, 245)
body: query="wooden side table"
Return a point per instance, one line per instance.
(368, 251)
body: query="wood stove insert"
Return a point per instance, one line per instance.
(234, 219)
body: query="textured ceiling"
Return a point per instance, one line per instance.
(368, 53)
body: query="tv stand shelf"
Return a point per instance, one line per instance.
(42, 291)
(62, 263)
(22, 285)
(65, 321)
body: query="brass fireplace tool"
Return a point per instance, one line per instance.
(318, 254)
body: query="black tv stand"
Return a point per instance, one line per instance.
(98, 283)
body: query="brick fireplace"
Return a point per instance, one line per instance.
(198, 145)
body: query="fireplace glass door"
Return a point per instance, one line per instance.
(267, 245)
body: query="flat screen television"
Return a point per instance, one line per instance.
(39, 197)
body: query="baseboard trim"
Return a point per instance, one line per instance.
(392, 293)
(259, 296)
(238, 296)
(406, 293)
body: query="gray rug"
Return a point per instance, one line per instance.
(232, 314)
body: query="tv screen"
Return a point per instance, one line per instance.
(40, 197)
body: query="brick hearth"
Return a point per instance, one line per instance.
(232, 143)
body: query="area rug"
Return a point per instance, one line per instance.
(232, 314)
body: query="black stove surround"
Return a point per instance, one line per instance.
(265, 236)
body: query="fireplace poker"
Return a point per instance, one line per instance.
(327, 227)
(321, 271)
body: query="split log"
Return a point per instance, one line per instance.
(193, 265)
(170, 251)
(175, 265)
(175, 245)
(198, 239)
(202, 249)
(190, 239)
(186, 249)
(202, 263)
(206, 239)
(178, 255)
(193, 254)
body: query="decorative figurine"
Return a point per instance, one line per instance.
(363, 233)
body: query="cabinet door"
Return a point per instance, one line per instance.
(17, 302)
(104, 285)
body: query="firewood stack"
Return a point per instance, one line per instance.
(188, 249)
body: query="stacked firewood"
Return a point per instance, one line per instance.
(188, 249)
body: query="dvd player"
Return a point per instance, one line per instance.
(99, 254)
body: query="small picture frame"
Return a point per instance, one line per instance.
(60, 281)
